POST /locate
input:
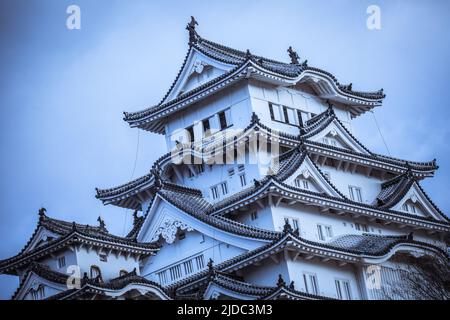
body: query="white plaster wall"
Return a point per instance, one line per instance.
(263, 93)
(326, 274)
(370, 186)
(218, 173)
(191, 246)
(267, 273)
(110, 269)
(235, 97)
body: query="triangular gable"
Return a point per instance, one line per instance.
(215, 291)
(34, 282)
(197, 70)
(416, 202)
(40, 237)
(165, 220)
(336, 135)
(307, 176)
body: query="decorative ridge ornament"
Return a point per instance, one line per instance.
(281, 282)
(102, 224)
(193, 36)
(293, 55)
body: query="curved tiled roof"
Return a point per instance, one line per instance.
(44, 272)
(353, 248)
(191, 202)
(97, 286)
(70, 233)
(241, 287)
(238, 59)
(393, 191)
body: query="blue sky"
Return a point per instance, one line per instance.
(62, 92)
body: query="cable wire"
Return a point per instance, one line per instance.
(381, 134)
(131, 177)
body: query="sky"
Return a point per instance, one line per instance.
(63, 92)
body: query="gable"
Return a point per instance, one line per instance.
(416, 202)
(308, 177)
(41, 237)
(335, 135)
(217, 292)
(165, 220)
(197, 70)
(35, 285)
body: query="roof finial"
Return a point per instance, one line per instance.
(287, 227)
(293, 55)
(193, 36)
(248, 54)
(291, 286)
(210, 266)
(281, 282)
(101, 223)
(42, 212)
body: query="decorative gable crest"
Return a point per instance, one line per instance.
(169, 228)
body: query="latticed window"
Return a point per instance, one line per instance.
(355, 193)
(243, 180)
(61, 262)
(324, 232)
(95, 272)
(200, 262)
(175, 272)
(343, 289)
(310, 282)
(188, 267)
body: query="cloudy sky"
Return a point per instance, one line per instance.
(62, 92)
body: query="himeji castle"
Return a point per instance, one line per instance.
(264, 193)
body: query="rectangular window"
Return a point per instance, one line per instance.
(103, 257)
(254, 215)
(162, 277)
(305, 184)
(61, 262)
(343, 289)
(302, 183)
(225, 119)
(292, 222)
(206, 127)
(355, 193)
(361, 227)
(284, 114)
(277, 112)
(188, 267)
(224, 188)
(241, 167)
(230, 172)
(203, 239)
(190, 131)
(199, 168)
(200, 262)
(175, 272)
(215, 192)
(310, 282)
(324, 232)
(243, 180)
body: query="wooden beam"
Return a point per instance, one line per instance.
(278, 201)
